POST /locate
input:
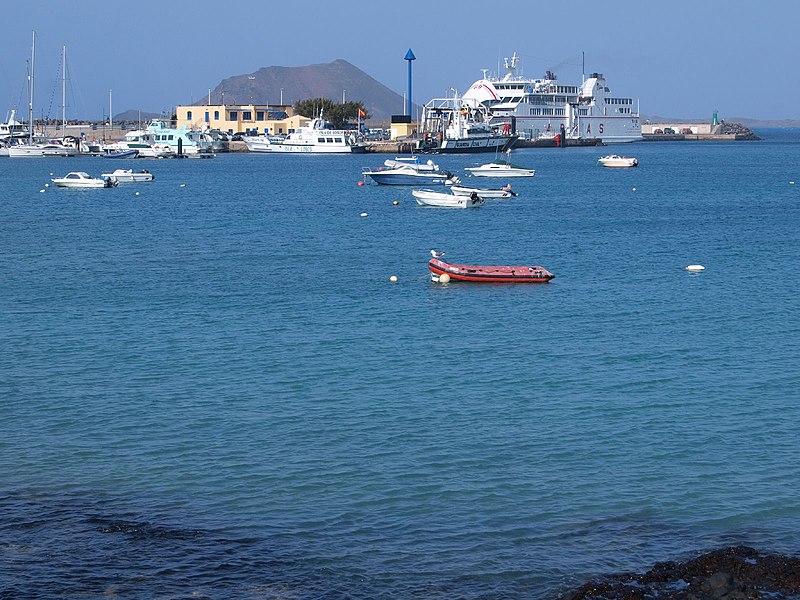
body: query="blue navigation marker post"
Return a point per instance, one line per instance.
(409, 57)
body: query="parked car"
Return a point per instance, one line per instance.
(669, 131)
(658, 131)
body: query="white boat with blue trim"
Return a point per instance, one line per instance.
(410, 171)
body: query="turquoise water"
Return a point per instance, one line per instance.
(215, 389)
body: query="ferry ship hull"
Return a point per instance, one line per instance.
(491, 144)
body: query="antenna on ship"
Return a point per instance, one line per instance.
(583, 68)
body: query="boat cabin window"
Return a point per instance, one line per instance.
(338, 140)
(329, 140)
(321, 140)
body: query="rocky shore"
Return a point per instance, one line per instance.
(735, 573)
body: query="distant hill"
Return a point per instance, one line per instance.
(326, 80)
(135, 115)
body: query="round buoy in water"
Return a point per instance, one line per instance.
(395, 203)
(393, 278)
(136, 194)
(47, 185)
(695, 268)
(360, 183)
(364, 214)
(444, 278)
(634, 189)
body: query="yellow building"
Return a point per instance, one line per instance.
(241, 118)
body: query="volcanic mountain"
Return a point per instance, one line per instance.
(326, 80)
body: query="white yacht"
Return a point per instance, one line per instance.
(545, 107)
(317, 138)
(13, 129)
(144, 142)
(180, 140)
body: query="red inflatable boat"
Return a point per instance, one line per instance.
(494, 274)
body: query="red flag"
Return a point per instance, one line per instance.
(361, 113)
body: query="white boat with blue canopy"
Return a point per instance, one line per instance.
(410, 171)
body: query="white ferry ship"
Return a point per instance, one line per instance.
(540, 108)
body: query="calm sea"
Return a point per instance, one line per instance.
(215, 391)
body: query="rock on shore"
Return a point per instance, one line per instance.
(732, 573)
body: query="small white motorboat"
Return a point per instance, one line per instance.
(500, 168)
(129, 175)
(409, 171)
(442, 200)
(503, 192)
(79, 179)
(614, 160)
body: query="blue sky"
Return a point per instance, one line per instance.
(677, 58)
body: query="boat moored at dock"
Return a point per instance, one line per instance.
(541, 108)
(462, 125)
(317, 138)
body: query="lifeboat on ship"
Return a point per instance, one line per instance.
(489, 274)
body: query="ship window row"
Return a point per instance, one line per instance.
(619, 101)
(322, 140)
(547, 112)
(536, 99)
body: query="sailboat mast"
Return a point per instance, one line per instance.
(30, 100)
(63, 90)
(110, 118)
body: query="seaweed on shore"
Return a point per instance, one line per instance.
(732, 573)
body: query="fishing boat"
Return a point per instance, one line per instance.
(442, 200)
(614, 160)
(487, 274)
(409, 171)
(500, 168)
(503, 192)
(80, 179)
(129, 176)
